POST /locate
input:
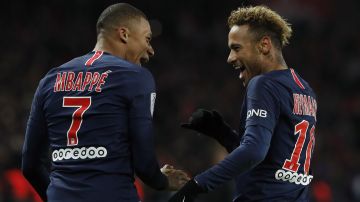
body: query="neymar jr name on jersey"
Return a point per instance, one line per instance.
(80, 81)
(304, 105)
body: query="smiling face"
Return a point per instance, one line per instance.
(243, 53)
(139, 49)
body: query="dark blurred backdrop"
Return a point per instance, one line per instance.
(190, 71)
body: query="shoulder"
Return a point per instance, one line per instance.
(261, 82)
(137, 74)
(144, 79)
(74, 62)
(123, 65)
(138, 80)
(263, 85)
(140, 72)
(40, 92)
(145, 74)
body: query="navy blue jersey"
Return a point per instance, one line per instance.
(271, 161)
(95, 113)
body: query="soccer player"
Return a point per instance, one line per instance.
(271, 153)
(94, 113)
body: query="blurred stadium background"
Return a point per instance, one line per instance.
(190, 71)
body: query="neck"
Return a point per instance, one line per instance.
(109, 45)
(276, 62)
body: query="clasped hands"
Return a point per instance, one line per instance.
(177, 178)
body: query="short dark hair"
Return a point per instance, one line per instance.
(118, 14)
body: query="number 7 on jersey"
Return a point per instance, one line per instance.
(82, 104)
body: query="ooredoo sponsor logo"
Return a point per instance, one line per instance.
(79, 153)
(292, 177)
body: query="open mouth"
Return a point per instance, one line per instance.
(242, 68)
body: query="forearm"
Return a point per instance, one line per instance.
(37, 174)
(144, 158)
(250, 153)
(36, 146)
(148, 170)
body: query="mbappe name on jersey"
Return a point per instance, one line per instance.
(80, 81)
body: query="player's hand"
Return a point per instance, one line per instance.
(209, 123)
(187, 193)
(176, 178)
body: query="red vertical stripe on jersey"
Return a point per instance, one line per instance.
(296, 79)
(139, 189)
(93, 58)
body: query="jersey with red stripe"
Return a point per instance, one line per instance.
(271, 160)
(95, 113)
(285, 104)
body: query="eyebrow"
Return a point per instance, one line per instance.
(234, 45)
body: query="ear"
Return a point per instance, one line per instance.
(265, 45)
(123, 34)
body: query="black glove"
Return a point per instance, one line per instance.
(187, 193)
(209, 123)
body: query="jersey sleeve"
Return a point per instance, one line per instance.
(141, 132)
(252, 150)
(263, 110)
(231, 141)
(35, 148)
(263, 104)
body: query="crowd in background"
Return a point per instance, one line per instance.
(190, 70)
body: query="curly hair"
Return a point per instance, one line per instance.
(262, 21)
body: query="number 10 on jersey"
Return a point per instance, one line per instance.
(82, 104)
(293, 164)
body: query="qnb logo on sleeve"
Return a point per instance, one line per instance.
(256, 112)
(79, 153)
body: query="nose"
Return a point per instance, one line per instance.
(150, 51)
(231, 57)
